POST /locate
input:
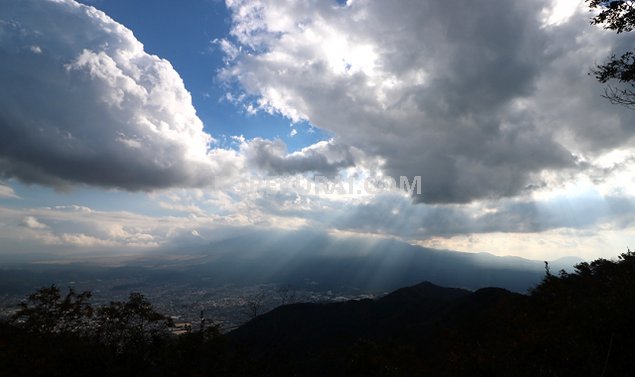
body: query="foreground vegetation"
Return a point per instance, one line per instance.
(571, 324)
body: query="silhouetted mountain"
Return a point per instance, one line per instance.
(420, 292)
(414, 315)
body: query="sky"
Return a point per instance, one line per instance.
(132, 126)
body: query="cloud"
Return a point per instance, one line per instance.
(190, 220)
(62, 227)
(483, 100)
(392, 215)
(322, 158)
(587, 222)
(33, 223)
(82, 103)
(7, 192)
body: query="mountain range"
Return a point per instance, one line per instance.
(300, 259)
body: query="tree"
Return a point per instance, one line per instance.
(46, 312)
(254, 305)
(130, 324)
(618, 15)
(591, 312)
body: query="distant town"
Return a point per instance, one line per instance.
(228, 306)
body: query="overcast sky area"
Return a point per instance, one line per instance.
(144, 125)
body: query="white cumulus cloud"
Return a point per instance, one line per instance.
(82, 102)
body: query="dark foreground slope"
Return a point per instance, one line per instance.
(578, 324)
(407, 332)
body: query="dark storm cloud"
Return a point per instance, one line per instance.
(479, 98)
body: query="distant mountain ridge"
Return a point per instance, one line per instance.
(372, 265)
(301, 259)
